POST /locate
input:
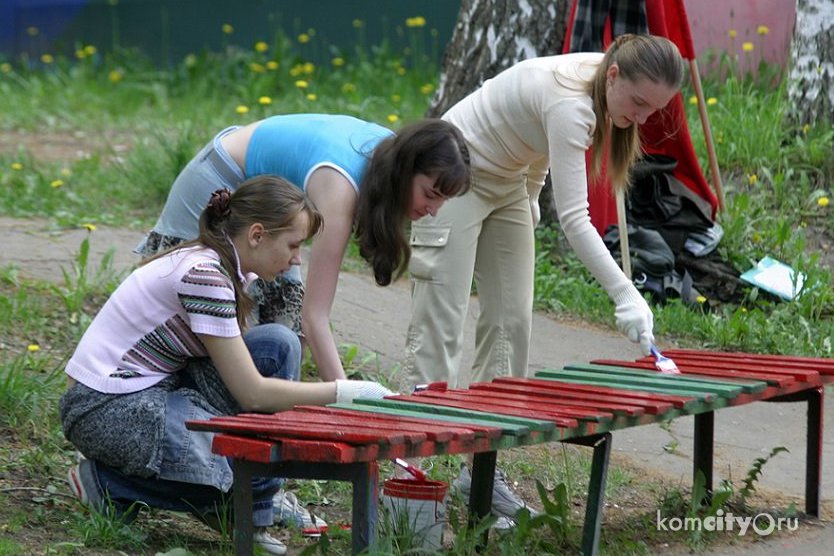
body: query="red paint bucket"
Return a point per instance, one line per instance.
(416, 508)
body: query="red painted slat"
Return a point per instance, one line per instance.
(434, 432)
(477, 429)
(302, 419)
(500, 404)
(599, 401)
(580, 389)
(550, 404)
(776, 379)
(257, 426)
(445, 400)
(819, 364)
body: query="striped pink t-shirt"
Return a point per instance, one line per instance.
(148, 328)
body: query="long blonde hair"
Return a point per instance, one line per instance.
(637, 56)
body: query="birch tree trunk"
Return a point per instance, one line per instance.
(810, 79)
(492, 35)
(489, 37)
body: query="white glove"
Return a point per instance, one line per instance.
(634, 318)
(349, 390)
(533, 191)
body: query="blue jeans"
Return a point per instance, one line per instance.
(276, 352)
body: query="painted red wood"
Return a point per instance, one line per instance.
(499, 402)
(689, 369)
(258, 425)
(569, 398)
(679, 402)
(436, 432)
(451, 398)
(478, 430)
(768, 362)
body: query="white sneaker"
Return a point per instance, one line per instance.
(289, 512)
(268, 543)
(505, 502)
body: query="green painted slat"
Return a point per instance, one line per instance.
(649, 385)
(528, 424)
(748, 386)
(658, 378)
(506, 428)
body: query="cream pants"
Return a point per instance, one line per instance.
(487, 234)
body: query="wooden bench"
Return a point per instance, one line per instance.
(580, 404)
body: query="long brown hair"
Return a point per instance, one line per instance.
(431, 147)
(637, 56)
(269, 200)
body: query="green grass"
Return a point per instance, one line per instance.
(137, 126)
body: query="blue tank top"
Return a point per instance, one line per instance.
(294, 145)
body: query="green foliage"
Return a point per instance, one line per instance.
(754, 473)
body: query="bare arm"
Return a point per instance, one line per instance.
(336, 199)
(255, 392)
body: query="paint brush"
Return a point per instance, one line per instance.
(663, 363)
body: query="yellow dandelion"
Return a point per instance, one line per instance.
(228, 29)
(400, 70)
(719, 138)
(806, 128)
(47, 58)
(763, 29)
(747, 47)
(701, 299)
(55, 184)
(418, 21)
(823, 201)
(756, 237)
(693, 100)
(744, 309)
(395, 98)
(272, 65)
(90, 227)
(32, 31)
(115, 76)
(393, 118)
(17, 166)
(338, 62)
(90, 50)
(242, 109)
(5, 67)
(190, 60)
(712, 101)
(311, 96)
(358, 23)
(348, 88)
(296, 70)
(301, 84)
(32, 348)
(66, 172)
(308, 68)
(261, 46)
(733, 33)
(255, 67)
(80, 54)
(752, 179)
(427, 89)
(303, 38)
(265, 100)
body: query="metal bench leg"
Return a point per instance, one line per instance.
(601, 443)
(480, 495)
(704, 438)
(813, 451)
(242, 501)
(365, 506)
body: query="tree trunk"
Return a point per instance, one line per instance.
(812, 70)
(489, 37)
(492, 35)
